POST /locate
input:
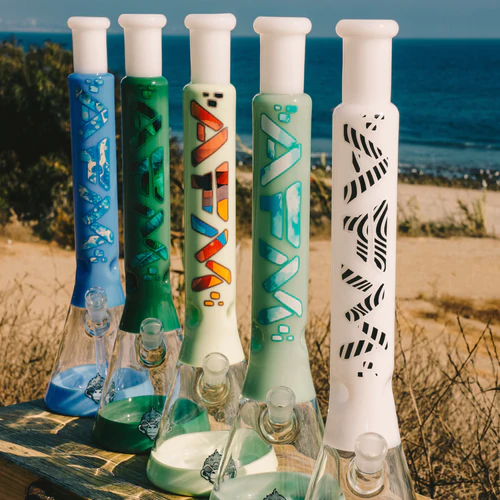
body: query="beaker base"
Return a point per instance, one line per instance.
(75, 392)
(129, 425)
(268, 486)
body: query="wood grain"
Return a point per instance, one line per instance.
(38, 445)
(57, 451)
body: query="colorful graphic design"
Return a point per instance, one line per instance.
(280, 165)
(102, 234)
(147, 123)
(96, 165)
(222, 176)
(96, 159)
(94, 114)
(204, 182)
(150, 171)
(213, 135)
(284, 208)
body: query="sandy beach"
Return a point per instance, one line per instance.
(428, 269)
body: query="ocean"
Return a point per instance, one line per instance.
(447, 92)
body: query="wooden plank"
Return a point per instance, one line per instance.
(39, 446)
(59, 450)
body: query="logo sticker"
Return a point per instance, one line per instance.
(211, 466)
(94, 388)
(150, 422)
(274, 496)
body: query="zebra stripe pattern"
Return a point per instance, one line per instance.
(371, 176)
(367, 305)
(367, 365)
(355, 280)
(380, 221)
(360, 225)
(354, 349)
(368, 147)
(378, 336)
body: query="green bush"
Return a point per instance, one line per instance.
(35, 146)
(35, 151)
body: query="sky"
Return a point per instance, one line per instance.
(417, 18)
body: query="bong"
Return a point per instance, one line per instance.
(362, 425)
(205, 393)
(277, 432)
(81, 365)
(136, 388)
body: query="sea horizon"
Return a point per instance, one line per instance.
(447, 92)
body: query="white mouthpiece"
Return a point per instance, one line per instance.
(210, 41)
(90, 54)
(367, 54)
(282, 53)
(143, 43)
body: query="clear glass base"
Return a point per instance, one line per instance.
(194, 429)
(80, 368)
(325, 483)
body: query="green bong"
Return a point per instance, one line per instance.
(136, 387)
(205, 394)
(277, 432)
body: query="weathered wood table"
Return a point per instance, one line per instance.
(44, 452)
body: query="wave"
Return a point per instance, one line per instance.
(450, 143)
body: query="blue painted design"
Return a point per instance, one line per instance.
(94, 114)
(271, 149)
(284, 117)
(274, 204)
(96, 162)
(277, 107)
(280, 165)
(103, 231)
(271, 254)
(95, 187)
(291, 108)
(273, 314)
(92, 242)
(144, 258)
(152, 224)
(276, 132)
(293, 206)
(290, 302)
(202, 227)
(97, 211)
(285, 274)
(88, 195)
(158, 179)
(94, 89)
(283, 328)
(98, 257)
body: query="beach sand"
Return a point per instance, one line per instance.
(428, 269)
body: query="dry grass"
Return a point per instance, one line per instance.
(28, 343)
(469, 221)
(448, 411)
